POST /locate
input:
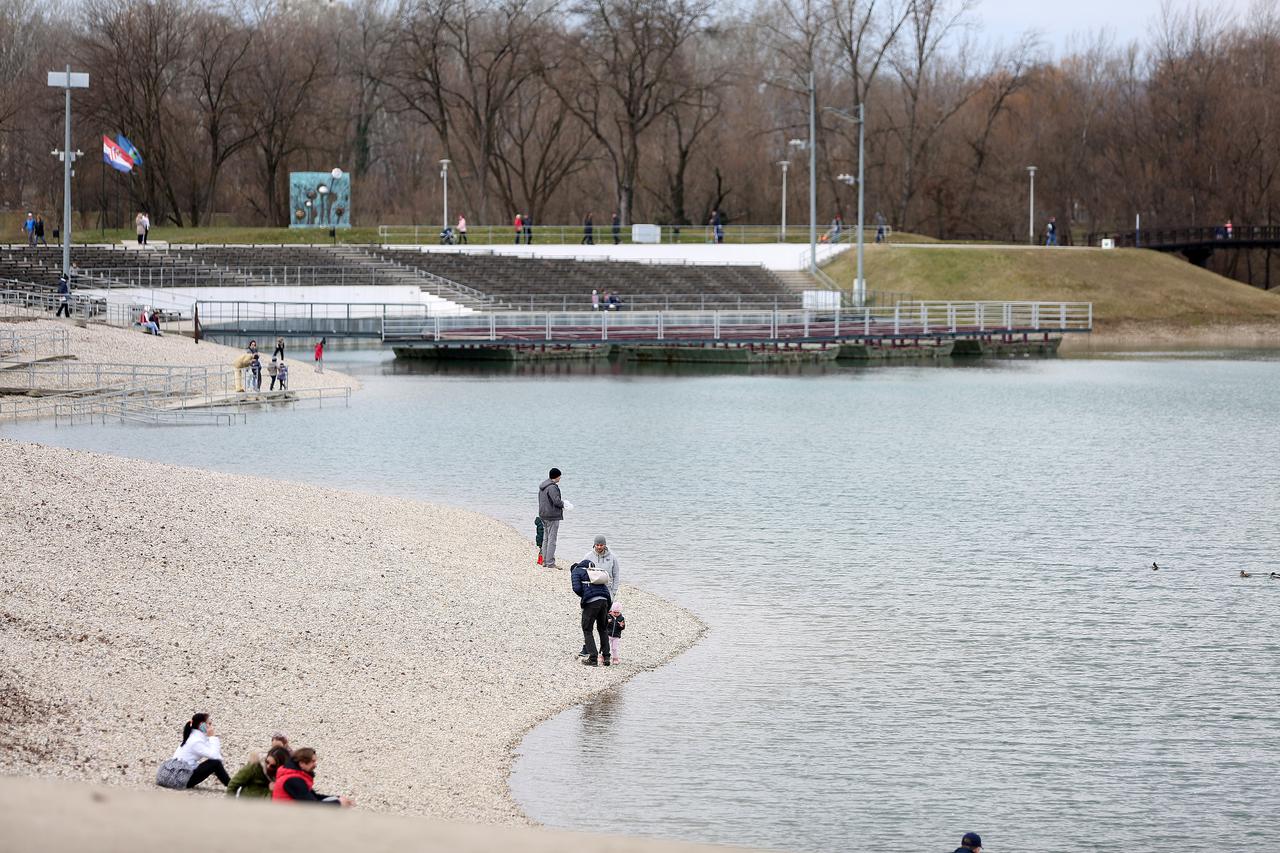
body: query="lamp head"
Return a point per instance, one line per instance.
(336, 173)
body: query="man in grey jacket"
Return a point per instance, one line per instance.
(551, 511)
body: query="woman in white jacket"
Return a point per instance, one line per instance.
(198, 758)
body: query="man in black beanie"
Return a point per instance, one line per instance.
(551, 511)
(971, 843)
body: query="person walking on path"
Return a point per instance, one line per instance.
(1051, 232)
(278, 352)
(462, 228)
(551, 511)
(588, 231)
(595, 300)
(320, 356)
(197, 758)
(971, 843)
(616, 225)
(881, 225)
(591, 584)
(64, 297)
(29, 228)
(146, 227)
(273, 369)
(519, 227)
(39, 229)
(295, 781)
(717, 226)
(527, 224)
(138, 227)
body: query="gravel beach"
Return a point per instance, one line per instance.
(101, 344)
(411, 644)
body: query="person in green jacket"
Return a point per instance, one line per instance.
(256, 777)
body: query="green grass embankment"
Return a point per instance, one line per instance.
(1131, 289)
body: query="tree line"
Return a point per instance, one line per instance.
(661, 110)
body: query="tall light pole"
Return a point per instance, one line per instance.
(68, 81)
(444, 173)
(1031, 208)
(785, 164)
(813, 178)
(859, 283)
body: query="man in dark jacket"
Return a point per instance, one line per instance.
(971, 843)
(551, 511)
(64, 296)
(595, 610)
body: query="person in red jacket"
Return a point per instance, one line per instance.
(320, 356)
(295, 781)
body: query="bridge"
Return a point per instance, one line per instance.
(679, 334)
(1197, 242)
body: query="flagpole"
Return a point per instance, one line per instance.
(102, 221)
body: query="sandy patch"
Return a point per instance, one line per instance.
(1108, 337)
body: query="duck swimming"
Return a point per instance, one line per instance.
(1154, 567)
(1245, 574)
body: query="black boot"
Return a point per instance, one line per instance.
(590, 662)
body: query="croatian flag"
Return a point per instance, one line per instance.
(129, 148)
(114, 155)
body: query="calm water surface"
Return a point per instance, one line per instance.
(928, 589)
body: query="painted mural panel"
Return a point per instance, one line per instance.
(320, 199)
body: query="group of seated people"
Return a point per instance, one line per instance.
(149, 319)
(280, 773)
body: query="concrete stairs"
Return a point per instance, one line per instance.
(798, 281)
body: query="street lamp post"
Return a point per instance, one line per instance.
(1031, 208)
(785, 164)
(68, 81)
(859, 283)
(444, 173)
(813, 178)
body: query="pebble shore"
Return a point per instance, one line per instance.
(411, 644)
(101, 344)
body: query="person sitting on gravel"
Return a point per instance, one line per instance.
(145, 321)
(256, 777)
(295, 781)
(196, 759)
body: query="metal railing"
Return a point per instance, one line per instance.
(602, 234)
(26, 346)
(919, 319)
(119, 393)
(238, 276)
(1195, 235)
(75, 375)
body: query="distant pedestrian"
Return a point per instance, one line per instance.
(64, 297)
(519, 227)
(614, 302)
(462, 229)
(1051, 232)
(197, 758)
(881, 225)
(551, 511)
(588, 231)
(255, 373)
(717, 226)
(616, 225)
(273, 370)
(278, 352)
(1229, 229)
(320, 356)
(283, 375)
(29, 228)
(595, 300)
(140, 228)
(971, 843)
(39, 231)
(528, 230)
(615, 625)
(837, 226)
(146, 227)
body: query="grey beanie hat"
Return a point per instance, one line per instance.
(600, 540)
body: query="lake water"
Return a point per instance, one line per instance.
(928, 589)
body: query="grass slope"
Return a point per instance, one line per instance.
(1126, 286)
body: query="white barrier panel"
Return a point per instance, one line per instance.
(821, 300)
(646, 234)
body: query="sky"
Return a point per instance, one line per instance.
(1057, 22)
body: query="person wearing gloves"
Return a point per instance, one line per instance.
(295, 781)
(551, 511)
(196, 759)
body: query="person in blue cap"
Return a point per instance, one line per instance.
(971, 843)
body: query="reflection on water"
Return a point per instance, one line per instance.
(928, 592)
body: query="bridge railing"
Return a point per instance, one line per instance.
(1194, 235)
(602, 233)
(905, 319)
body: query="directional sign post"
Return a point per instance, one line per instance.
(67, 80)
